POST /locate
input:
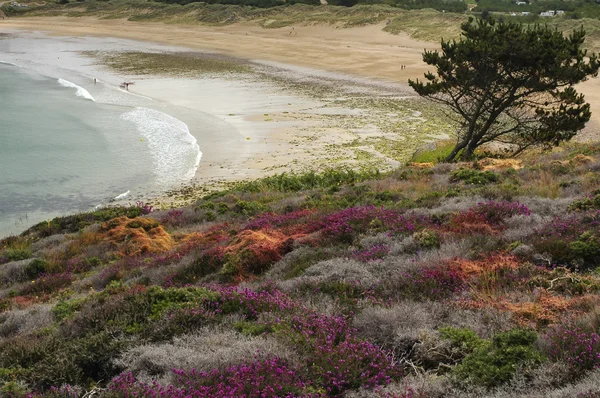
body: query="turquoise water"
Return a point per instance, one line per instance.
(63, 152)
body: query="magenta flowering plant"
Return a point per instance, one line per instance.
(269, 378)
(496, 212)
(335, 357)
(372, 253)
(345, 224)
(144, 207)
(441, 281)
(579, 347)
(270, 220)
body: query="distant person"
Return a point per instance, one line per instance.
(94, 80)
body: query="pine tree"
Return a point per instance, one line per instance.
(511, 84)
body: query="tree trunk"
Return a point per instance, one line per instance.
(456, 150)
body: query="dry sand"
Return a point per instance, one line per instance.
(363, 51)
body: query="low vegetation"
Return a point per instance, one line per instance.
(433, 280)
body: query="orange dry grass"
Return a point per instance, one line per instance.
(257, 250)
(495, 164)
(493, 263)
(137, 236)
(546, 309)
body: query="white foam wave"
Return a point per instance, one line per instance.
(175, 151)
(10, 63)
(81, 92)
(121, 196)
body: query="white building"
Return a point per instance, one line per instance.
(547, 14)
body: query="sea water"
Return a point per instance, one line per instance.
(62, 151)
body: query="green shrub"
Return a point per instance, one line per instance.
(249, 208)
(17, 253)
(464, 340)
(427, 239)
(586, 246)
(474, 177)
(35, 268)
(291, 182)
(589, 203)
(493, 362)
(250, 328)
(65, 309)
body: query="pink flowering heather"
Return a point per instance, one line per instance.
(273, 220)
(440, 282)
(336, 359)
(578, 347)
(496, 212)
(269, 378)
(570, 227)
(373, 253)
(54, 392)
(344, 224)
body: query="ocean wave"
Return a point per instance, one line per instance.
(175, 151)
(121, 196)
(9, 63)
(81, 92)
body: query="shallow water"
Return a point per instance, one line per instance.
(61, 151)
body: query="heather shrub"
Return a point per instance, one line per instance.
(206, 349)
(496, 212)
(297, 261)
(578, 347)
(13, 272)
(493, 362)
(545, 206)
(338, 270)
(520, 227)
(570, 241)
(372, 253)
(26, 320)
(422, 283)
(336, 359)
(269, 378)
(344, 225)
(420, 385)
(46, 284)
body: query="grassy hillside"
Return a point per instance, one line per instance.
(424, 24)
(453, 280)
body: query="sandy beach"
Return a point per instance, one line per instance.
(316, 96)
(361, 51)
(285, 115)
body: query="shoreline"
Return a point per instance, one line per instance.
(366, 51)
(277, 116)
(272, 119)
